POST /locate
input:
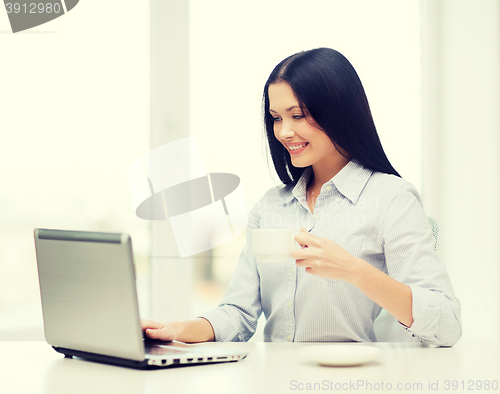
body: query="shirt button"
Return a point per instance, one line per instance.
(339, 199)
(288, 304)
(292, 271)
(288, 337)
(316, 217)
(328, 188)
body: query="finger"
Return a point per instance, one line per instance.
(310, 270)
(153, 333)
(162, 334)
(146, 323)
(303, 230)
(306, 238)
(299, 239)
(300, 254)
(302, 263)
(308, 263)
(303, 257)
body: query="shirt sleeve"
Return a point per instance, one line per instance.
(412, 260)
(237, 315)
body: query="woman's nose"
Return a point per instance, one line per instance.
(286, 130)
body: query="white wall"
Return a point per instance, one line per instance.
(461, 104)
(235, 45)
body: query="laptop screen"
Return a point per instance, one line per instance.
(87, 286)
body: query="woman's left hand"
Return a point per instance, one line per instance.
(325, 258)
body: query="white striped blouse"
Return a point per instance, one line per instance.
(375, 216)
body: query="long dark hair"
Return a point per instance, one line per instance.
(327, 85)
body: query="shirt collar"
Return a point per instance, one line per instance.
(349, 181)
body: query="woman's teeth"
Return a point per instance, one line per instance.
(298, 146)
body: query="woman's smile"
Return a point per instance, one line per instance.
(295, 149)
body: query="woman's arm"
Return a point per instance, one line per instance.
(236, 317)
(324, 257)
(416, 289)
(196, 330)
(395, 297)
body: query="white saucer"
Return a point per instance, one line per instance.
(340, 355)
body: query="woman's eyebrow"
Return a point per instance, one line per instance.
(288, 109)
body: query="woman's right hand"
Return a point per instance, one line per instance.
(158, 330)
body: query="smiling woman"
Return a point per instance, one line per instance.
(324, 143)
(306, 143)
(245, 43)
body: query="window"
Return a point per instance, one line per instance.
(75, 114)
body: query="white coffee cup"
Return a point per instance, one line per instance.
(273, 245)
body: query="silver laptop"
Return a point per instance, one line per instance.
(89, 303)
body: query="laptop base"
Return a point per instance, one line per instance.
(123, 362)
(70, 353)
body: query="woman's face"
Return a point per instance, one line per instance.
(297, 131)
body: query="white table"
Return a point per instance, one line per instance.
(34, 367)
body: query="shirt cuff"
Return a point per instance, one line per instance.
(426, 313)
(223, 330)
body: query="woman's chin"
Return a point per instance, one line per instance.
(300, 163)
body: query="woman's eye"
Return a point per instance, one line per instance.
(298, 116)
(276, 118)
